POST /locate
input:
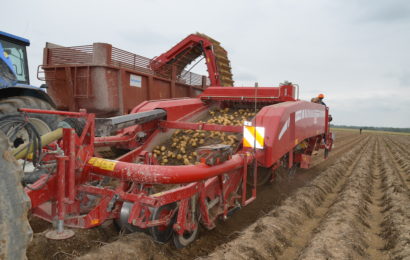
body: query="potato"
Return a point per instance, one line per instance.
(163, 148)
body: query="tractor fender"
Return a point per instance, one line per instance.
(25, 90)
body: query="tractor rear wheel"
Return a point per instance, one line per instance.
(15, 231)
(42, 122)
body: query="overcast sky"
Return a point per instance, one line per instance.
(356, 52)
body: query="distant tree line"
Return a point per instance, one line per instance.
(388, 129)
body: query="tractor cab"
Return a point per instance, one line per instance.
(13, 59)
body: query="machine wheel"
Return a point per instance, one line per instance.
(122, 222)
(181, 241)
(15, 231)
(162, 234)
(9, 106)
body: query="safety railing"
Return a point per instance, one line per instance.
(80, 55)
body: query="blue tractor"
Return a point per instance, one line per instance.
(16, 91)
(15, 130)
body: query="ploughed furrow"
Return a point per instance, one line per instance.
(402, 143)
(401, 156)
(375, 218)
(282, 232)
(399, 161)
(309, 227)
(396, 207)
(341, 233)
(339, 149)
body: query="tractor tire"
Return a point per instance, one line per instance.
(15, 230)
(45, 123)
(10, 105)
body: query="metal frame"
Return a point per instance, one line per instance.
(78, 195)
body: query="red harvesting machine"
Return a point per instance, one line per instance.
(184, 162)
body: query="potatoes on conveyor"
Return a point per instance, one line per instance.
(180, 148)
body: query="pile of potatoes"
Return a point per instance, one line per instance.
(180, 149)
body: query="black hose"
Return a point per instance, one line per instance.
(12, 124)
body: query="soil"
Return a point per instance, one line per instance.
(354, 205)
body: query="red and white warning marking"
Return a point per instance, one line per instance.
(253, 136)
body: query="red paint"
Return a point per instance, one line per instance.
(292, 127)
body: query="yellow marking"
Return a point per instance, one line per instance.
(92, 160)
(102, 163)
(259, 137)
(157, 194)
(252, 134)
(246, 143)
(95, 221)
(107, 165)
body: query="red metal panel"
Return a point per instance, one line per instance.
(260, 94)
(280, 137)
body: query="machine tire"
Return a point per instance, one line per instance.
(163, 234)
(122, 221)
(15, 230)
(181, 241)
(11, 105)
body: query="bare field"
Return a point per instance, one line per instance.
(354, 205)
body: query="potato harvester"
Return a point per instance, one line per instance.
(79, 188)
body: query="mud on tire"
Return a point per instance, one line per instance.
(15, 231)
(11, 105)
